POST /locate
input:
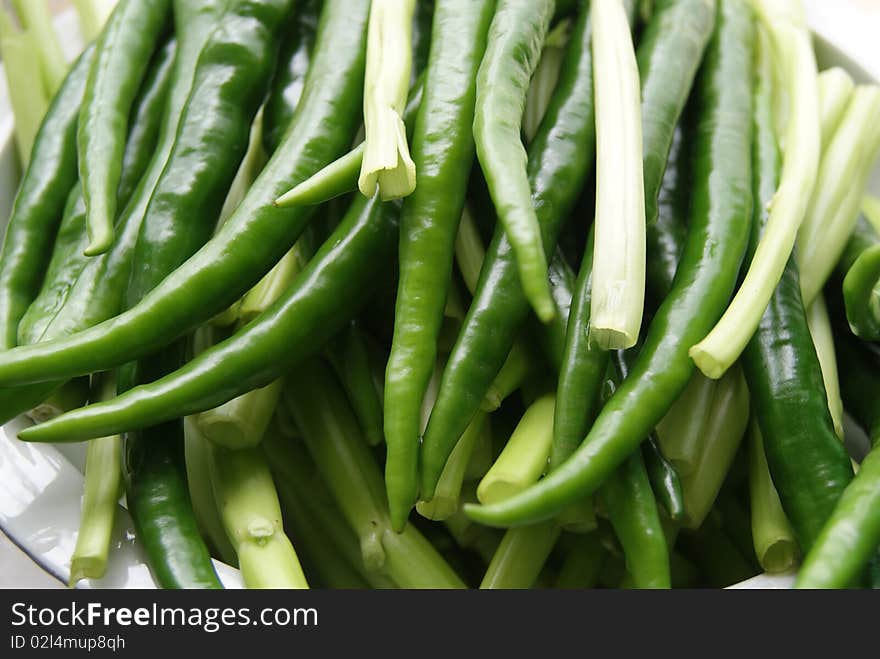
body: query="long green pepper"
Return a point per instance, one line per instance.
(807, 461)
(516, 37)
(442, 145)
(720, 209)
(254, 238)
(122, 58)
(560, 157)
(39, 203)
(326, 295)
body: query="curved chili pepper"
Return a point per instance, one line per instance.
(122, 56)
(251, 241)
(158, 500)
(287, 87)
(807, 461)
(39, 202)
(668, 56)
(442, 148)
(68, 260)
(670, 51)
(212, 138)
(324, 296)
(516, 37)
(850, 537)
(560, 157)
(720, 210)
(67, 254)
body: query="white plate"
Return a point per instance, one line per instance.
(41, 485)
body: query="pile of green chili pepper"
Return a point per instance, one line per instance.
(346, 293)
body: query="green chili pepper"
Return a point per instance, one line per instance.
(669, 53)
(122, 55)
(632, 510)
(516, 37)
(294, 60)
(850, 537)
(442, 148)
(67, 254)
(253, 239)
(326, 295)
(807, 461)
(68, 259)
(205, 156)
(39, 202)
(720, 210)
(159, 504)
(559, 159)
(668, 56)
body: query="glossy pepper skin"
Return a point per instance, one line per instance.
(516, 38)
(293, 66)
(159, 503)
(231, 80)
(442, 150)
(39, 202)
(560, 157)
(808, 463)
(122, 57)
(67, 254)
(850, 537)
(323, 298)
(99, 290)
(720, 216)
(253, 239)
(669, 53)
(860, 297)
(632, 511)
(68, 260)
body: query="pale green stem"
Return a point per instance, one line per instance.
(521, 555)
(619, 249)
(331, 433)
(835, 90)
(197, 455)
(250, 167)
(296, 478)
(445, 501)
(680, 431)
(801, 145)
(92, 16)
(482, 455)
(18, 50)
(36, 19)
(513, 373)
(387, 164)
(241, 422)
(524, 458)
(823, 339)
(103, 486)
(773, 537)
(251, 515)
(337, 178)
(722, 433)
(834, 205)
